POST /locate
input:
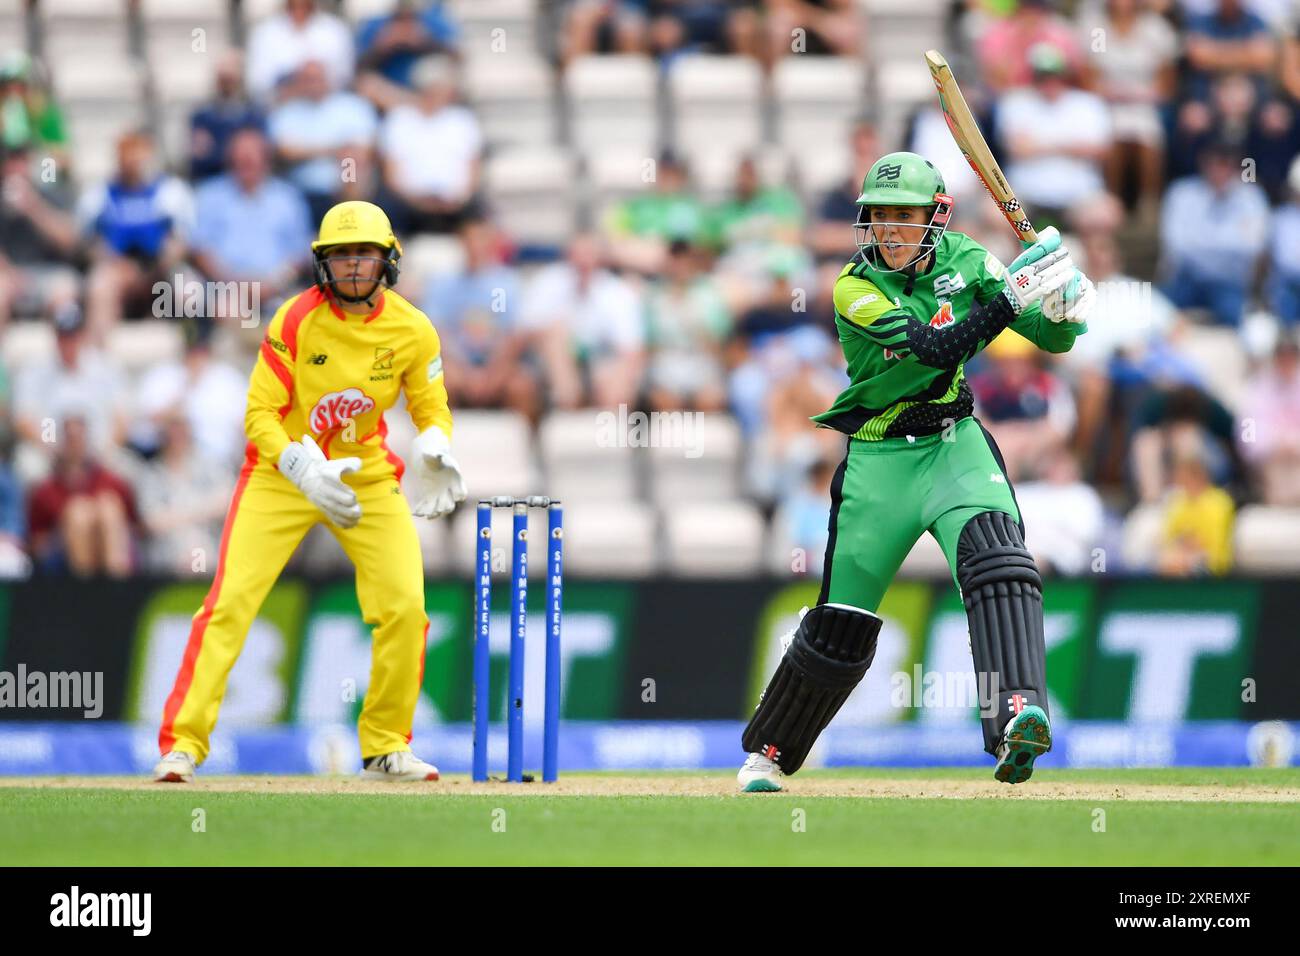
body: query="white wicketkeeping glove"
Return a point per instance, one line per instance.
(321, 480)
(1041, 268)
(440, 481)
(1072, 302)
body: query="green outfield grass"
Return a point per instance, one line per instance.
(87, 826)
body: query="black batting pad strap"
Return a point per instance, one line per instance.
(831, 651)
(1002, 591)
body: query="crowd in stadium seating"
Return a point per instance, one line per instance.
(1161, 136)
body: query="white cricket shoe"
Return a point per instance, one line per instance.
(175, 767)
(759, 775)
(399, 765)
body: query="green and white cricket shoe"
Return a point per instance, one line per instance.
(176, 766)
(759, 775)
(1027, 737)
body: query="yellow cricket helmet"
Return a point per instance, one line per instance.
(353, 222)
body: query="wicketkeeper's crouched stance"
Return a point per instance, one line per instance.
(333, 361)
(912, 307)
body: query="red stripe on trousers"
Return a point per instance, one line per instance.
(167, 736)
(424, 647)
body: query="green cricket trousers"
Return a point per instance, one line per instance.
(888, 493)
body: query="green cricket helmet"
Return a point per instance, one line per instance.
(901, 179)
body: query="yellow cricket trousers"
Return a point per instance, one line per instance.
(267, 520)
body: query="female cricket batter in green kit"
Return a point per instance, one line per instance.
(912, 307)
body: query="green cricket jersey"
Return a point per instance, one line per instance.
(906, 348)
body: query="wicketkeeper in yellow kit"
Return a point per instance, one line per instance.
(333, 361)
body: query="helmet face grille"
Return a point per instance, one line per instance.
(326, 281)
(866, 234)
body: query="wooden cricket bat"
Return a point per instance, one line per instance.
(969, 139)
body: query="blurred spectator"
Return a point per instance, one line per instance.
(431, 151)
(603, 26)
(1112, 365)
(325, 137)
(250, 226)
(1003, 50)
(215, 122)
(1173, 421)
(686, 323)
(1265, 136)
(1063, 515)
(800, 519)
(788, 378)
(1284, 254)
(1197, 521)
(758, 350)
(831, 236)
(138, 224)
(1135, 74)
(639, 229)
(389, 45)
(1056, 136)
(1270, 433)
(281, 45)
(818, 27)
(1213, 230)
(928, 135)
(708, 26)
(588, 322)
(183, 498)
(1026, 408)
(210, 393)
(14, 562)
(756, 217)
(38, 238)
(80, 517)
(1229, 40)
(78, 380)
(29, 117)
(476, 312)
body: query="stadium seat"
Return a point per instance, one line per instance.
(616, 173)
(715, 539)
(816, 99)
(423, 257)
(513, 98)
(1140, 540)
(582, 462)
(137, 345)
(716, 103)
(695, 459)
(533, 187)
(26, 343)
(610, 539)
(818, 171)
(1266, 540)
(1217, 352)
(612, 101)
(495, 452)
(496, 28)
(462, 538)
(713, 171)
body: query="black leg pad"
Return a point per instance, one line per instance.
(1003, 594)
(831, 651)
